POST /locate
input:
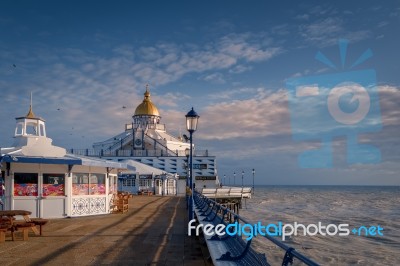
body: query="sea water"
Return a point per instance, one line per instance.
(353, 205)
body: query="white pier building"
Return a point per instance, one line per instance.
(146, 140)
(42, 178)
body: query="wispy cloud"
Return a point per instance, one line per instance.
(245, 92)
(302, 17)
(262, 114)
(170, 99)
(86, 86)
(326, 32)
(389, 101)
(217, 78)
(240, 69)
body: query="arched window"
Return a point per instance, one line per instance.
(19, 130)
(31, 128)
(42, 130)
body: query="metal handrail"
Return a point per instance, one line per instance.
(289, 250)
(226, 191)
(126, 153)
(119, 143)
(162, 145)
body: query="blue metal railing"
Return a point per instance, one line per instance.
(208, 205)
(168, 151)
(133, 153)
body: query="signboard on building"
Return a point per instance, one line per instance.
(145, 176)
(200, 166)
(202, 177)
(127, 176)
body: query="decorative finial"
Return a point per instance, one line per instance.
(30, 114)
(147, 93)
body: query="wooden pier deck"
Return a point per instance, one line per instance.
(152, 232)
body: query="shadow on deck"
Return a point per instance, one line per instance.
(152, 232)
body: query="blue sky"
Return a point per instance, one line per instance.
(230, 60)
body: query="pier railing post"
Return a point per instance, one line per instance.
(191, 178)
(191, 125)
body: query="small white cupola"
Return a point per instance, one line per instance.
(30, 137)
(30, 125)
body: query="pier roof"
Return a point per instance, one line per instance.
(67, 159)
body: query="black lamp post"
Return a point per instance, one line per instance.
(253, 178)
(242, 178)
(187, 153)
(192, 119)
(225, 180)
(234, 178)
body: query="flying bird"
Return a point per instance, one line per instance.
(14, 65)
(123, 107)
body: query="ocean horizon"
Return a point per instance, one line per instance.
(330, 204)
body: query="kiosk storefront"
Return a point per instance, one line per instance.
(59, 187)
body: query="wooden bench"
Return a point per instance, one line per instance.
(120, 204)
(40, 222)
(145, 192)
(225, 250)
(24, 227)
(3, 230)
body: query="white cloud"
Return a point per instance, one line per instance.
(303, 17)
(382, 24)
(327, 31)
(389, 104)
(247, 47)
(86, 86)
(262, 114)
(230, 94)
(217, 78)
(240, 69)
(170, 99)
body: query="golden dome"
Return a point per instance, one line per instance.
(147, 107)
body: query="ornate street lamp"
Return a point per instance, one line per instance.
(234, 178)
(187, 153)
(225, 180)
(253, 179)
(192, 119)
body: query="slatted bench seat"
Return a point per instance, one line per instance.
(39, 222)
(3, 229)
(21, 226)
(120, 204)
(145, 192)
(226, 250)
